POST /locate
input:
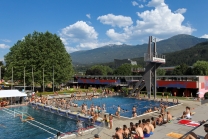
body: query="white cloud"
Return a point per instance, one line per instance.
(88, 16)
(156, 3)
(134, 3)
(90, 45)
(115, 20)
(160, 22)
(141, 6)
(81, 36)
(63, 39)
(181, 11)
(117, 36)
(78, 32)
(4, 46)
(5, 40)
(204, 36)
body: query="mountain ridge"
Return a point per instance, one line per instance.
(109, 53)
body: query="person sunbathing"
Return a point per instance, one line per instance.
(192, 135)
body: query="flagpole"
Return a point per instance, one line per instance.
(24, 79)
(43, 81)
(33, 79)
(12, 79)
(53, 78)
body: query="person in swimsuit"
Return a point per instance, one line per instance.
(118, 111)
(139, 133)
(80, 127)
(151, 127)
(126, 132)
(188, 112)
(111, 121)
(146, 129)
(192, 135)
(105, 121)
(134, 114)
(153, 122)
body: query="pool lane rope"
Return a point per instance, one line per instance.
(34, 124)
(41, 128)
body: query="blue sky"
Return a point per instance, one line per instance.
(89, 24)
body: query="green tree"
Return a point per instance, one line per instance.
(2, 68)
(39, 51)
(160, 72)
(99, 70)
(200, 68)
(180, 70)
(124, 69)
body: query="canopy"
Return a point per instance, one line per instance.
(11, 93)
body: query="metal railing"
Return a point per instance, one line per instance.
(149, 57)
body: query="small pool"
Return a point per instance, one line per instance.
(12, 128)
(126, 104)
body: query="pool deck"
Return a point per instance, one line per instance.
(162, 131)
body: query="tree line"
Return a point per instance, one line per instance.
(198, 68)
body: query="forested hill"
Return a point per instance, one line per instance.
(188, 56)
(110, 52)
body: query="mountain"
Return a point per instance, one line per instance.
(188, 56)
(110, 52)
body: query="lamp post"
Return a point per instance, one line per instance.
(12, 79)
(43, 81)
(24, 79)
(33, 79)
(0, 73)
(53, 78)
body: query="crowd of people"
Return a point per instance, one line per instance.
(144, 128)
(4, 102)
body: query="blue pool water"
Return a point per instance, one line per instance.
(111, 104)
(12, 128)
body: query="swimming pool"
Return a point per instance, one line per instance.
(12, 128)
(126, 104)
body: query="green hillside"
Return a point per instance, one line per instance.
(110, 52)
(188, 56)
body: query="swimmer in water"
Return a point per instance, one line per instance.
(2, 126)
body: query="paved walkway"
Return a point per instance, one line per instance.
(161, 132)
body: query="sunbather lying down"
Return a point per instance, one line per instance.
(192, 135)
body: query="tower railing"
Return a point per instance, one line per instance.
(158, 58)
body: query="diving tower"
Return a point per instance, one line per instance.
(149, 77)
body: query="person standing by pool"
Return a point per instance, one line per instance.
(134, 114)
(105, 120)
(111, 121)
(80, 127)
(118, 111)
(104, 108)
